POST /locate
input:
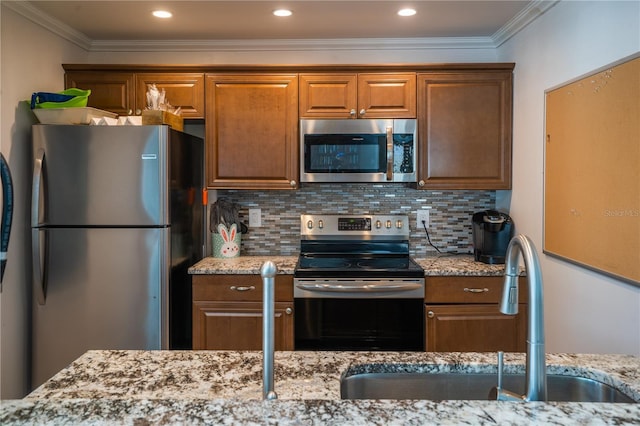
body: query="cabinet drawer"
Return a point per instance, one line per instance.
(468, 290)
(239, 288)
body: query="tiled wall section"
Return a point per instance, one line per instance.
(450, 213)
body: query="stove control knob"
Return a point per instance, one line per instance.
(378, 224)
(320, 224)
(388, 225)
(310, 224)
(399, 224)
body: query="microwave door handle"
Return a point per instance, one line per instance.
(389, 153)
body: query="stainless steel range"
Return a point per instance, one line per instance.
(355, 285)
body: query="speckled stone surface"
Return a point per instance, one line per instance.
(220, 387)
(242, 265)
(463, 265)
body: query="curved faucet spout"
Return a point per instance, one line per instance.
(536, 380)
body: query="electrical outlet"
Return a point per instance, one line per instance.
(422, 214)
(255, 218)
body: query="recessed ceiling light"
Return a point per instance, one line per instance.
(282, 12)
(407, 12)
(162, 14)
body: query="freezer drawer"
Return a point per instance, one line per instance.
(97, 289)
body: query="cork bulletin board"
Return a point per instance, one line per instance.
(592, 171)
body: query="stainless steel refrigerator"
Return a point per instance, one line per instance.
(117, 219)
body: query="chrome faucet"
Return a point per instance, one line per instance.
(268, 273)
(536, 374)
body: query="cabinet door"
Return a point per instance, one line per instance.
(184, 90)
(387, 95)
(328, 95)
(252, 131)
(238, 325)
(374, 95)
(109, 91)
(465, 130)
(474, 328)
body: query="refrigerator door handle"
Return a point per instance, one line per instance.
(37, 183)
(38, 236)
(38, 257)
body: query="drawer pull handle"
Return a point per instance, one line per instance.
(242, 288)
(476, 290)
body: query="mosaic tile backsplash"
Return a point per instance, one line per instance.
(449, 214)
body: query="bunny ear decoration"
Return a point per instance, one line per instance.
(233, 230)
(224, 232)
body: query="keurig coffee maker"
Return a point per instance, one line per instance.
(492, 232)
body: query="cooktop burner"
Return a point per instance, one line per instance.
(324, 262)
(383, 263)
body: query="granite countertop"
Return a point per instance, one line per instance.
(462, 265)
(223, 387)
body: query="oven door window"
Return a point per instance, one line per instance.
(361, 153)
(359, 324)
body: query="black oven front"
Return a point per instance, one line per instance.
(348, 320)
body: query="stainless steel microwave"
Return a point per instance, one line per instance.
(361, 150)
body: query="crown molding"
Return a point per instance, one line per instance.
(37, 16)
(293, 44)
(525, 17)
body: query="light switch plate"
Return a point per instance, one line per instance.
(255, 218)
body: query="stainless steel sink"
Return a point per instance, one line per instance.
(462, 386)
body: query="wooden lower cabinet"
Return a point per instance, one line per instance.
(474, 328)
(227, 312)
(462, 315)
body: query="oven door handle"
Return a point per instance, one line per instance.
(368, 288)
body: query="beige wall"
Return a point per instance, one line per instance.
(585, 311)
(30, 59)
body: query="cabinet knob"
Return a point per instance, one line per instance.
(421, 183)
(293, 183)
(288, 311)
(352, 113)
(430, 314)
(138, 111)
(362, 112)
(242, 288)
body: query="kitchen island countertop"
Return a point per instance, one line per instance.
(220, 387)
(462, 265)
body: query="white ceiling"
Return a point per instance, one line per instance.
(110, 21)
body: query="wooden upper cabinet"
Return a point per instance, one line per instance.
(110, 91)
(252, 131)
(387, 95)
(370, 95)
(465, 130)
(125, 93)
(184, 90)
